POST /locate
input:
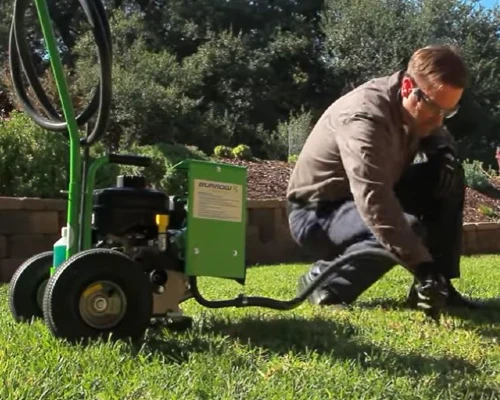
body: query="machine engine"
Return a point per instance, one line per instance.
(128, 210)
(127, 215)
(148, 226)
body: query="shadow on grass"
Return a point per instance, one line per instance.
(485, 321)
(344, 342)
(176, 348)
(339, 340)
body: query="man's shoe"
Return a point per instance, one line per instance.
(320, 296)
(429, 295)
(454, 299)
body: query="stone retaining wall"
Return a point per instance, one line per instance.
(29, 226)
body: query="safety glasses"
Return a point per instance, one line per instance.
(421, 96)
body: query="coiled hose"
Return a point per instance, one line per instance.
(20, 57)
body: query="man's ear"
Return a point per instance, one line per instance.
(406, 86)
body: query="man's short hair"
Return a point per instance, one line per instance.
(439, 64)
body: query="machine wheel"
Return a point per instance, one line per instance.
(97, 293)
(27, 287)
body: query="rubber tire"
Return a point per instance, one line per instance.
(24, 286)
(61, 300)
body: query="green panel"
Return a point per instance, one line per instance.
(216, 224)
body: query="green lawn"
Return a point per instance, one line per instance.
(376, 350)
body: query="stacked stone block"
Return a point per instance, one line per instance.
(29, 226)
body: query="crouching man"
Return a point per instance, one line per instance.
(355, 185)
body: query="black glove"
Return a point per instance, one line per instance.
(431, 289)
(448, 173)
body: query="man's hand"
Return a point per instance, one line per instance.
(432, 291)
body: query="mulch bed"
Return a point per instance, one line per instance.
(268, 180)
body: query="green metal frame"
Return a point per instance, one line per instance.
(89, 189)
(75, 171)
(222, 255)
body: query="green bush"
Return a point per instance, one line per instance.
(292, 158)
(475, 176)
(161, 175)
(223, 152)
(242, 152)
(289, 136)
(488, 211)
(175, 181)
(155, 173)
(33, 162)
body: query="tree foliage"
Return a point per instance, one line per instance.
(360, 45)
(229, 72)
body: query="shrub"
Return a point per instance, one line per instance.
(488, 211)
(33, 162)
(223, 152)
(292, 158)
(288, 137)
(106, 175)
(175, 181)
(475, 176)
(155, 173)
(161, 174)
(242, 152)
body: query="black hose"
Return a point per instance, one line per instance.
(266, 302)
(19, 56)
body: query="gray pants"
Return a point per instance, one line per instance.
(328, 230)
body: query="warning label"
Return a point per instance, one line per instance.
(217, 200)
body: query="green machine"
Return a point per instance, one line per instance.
(129, 255)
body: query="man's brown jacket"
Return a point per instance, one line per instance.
(360, 147)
